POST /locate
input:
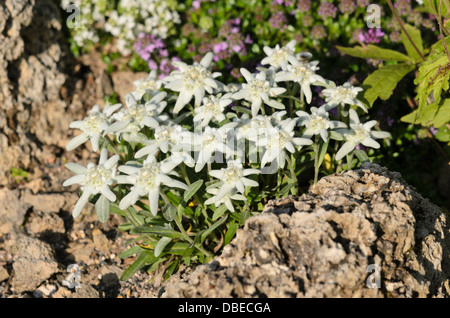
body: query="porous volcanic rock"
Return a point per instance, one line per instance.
(362, 233)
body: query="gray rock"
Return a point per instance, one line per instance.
(44, 202)
(85, 291)
(33, 56)
(12, 211)
(33, 263)
(362, 233)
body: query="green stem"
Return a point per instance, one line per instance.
(113, 145)
(197, 199)
(187, 238)
(399, 20)
(349, 161)
(293, 175)
(316, 159)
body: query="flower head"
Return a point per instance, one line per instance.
(303, 73)
(233, 177)
(341, 95)
(212, 108)
(94, 179)
(279, 139)
(192, 81)
(226, 200)
(147, 180)
(92, 126)
(359, 134)
(129, 121)
(317, 123)
(211, 141)
(259, 89)
(150, 84)
(279, 57)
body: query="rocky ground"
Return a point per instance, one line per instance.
(352, 220)
(42, 89)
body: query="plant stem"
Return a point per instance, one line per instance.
(293, 175)
(187, 238)
(439, 19)
(399, 20)
(349, 161)
(197, 199)
(316, 159)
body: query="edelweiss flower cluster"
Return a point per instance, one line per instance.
(227, 134)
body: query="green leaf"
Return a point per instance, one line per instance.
(382, 82)
(361, 155)
(125, 226)
(114, 208)
(169, 212)
(336, 136)
(162, 243)
(433, 78)
(374, 52)
(143, 259)
(192, 190)
(285, 190)
(102, 208)
(443, 134)
(241, 109)
(430, 115)
(130, 252)
(229, 235)
(156, 230)
(416, 37)
(219, 212)
(322, 151)
(212, 228)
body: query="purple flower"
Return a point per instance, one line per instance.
(152, 65)
(327, 10)
(362, 3)
(347, 6)
(304, 5)
(221, 46)
(318, 32)
(278, 21)
(403, 7)
(372, 36)
(196, 4)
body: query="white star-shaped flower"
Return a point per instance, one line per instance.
(227, 199)
(94, 179)
(129, 121)
(259, 90)
(341, 95)
(359, 134)
(233, 177)
(212, 108)
(318, 122)
(147, 180)
(150, 84)
(92, 126)
(192, 81)
(170, 137)
(211, 141)
(279, 57)
(303, 73)
(278, 140)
